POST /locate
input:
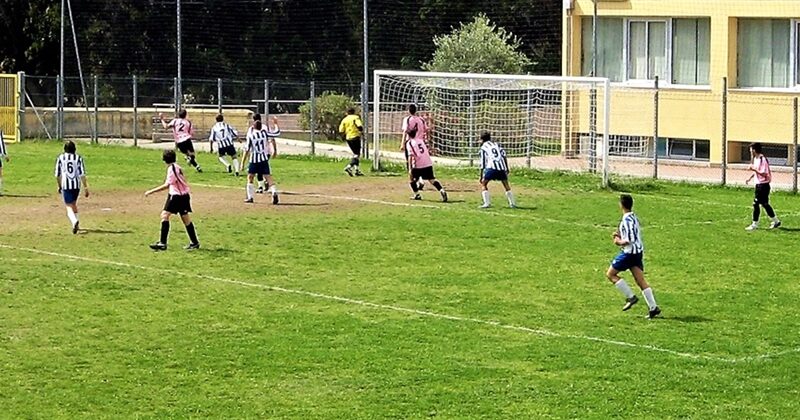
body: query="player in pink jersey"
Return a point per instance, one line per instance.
(183, 131)
(413, 126)
(421, 167)
(763, 176)
(178, 202)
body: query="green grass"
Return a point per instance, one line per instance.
(439, 299)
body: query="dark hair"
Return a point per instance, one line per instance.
(256, 117)
(182, 114)
(626, 201)
(351, 111)
(756, 147)
(69, 147)
(258, 125)
(412, 109)
(220, 118)
(168, 156)
(485, 136)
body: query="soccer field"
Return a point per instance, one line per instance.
(349, 300)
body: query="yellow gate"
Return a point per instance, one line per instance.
(9, 105)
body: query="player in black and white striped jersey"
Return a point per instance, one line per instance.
(494, 167)
(3, 156)
(260, 146)
(71, 174)
(224, 135)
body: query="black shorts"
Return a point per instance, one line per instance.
(227, 151)
(423, 173)
(178, 204)
(762, 194)
(355, 145)
(259, 168)
(185, 147)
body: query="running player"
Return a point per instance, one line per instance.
(413, 127)
(629, 237)
(224, 135)
(182, 131)
(494, 167)
(178, 202)
(351, 128)
(71, 173)
(763, 176)
(260, 146)
(421, 164)
(3, 156)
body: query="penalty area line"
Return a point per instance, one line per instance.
(424, 313)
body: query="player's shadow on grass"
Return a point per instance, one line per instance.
(689, 319)
(788, 230)
(217, 252)
(23, 196)
(523, 208)
(104, 232)
(304, 204)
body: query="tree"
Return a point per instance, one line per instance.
(478, 47)
(329, 109)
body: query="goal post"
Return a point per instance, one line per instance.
(543, 122)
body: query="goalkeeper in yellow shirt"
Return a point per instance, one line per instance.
(351, 128)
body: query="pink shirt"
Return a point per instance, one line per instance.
(419, 150)
(181, 129)
(176, 180)
(761, 164)
(416, 121)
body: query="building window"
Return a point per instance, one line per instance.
(647, 50)
(675, 50)
(764, 53)
(684, 149)
(797, 53)
(610, 46)
(691, 51)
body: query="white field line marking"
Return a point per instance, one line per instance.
(497, 324)
(510, 215)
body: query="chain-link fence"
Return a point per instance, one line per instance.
(113, 109)
(668, 133)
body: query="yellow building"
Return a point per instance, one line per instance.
(692, 46)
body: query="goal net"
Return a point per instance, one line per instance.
(548, 123)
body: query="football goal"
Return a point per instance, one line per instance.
(548, 123)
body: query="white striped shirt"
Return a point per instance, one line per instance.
(629, 232)
(223, 133)
(3, 151)
(493, 157)
(258, 145)
(70, 169)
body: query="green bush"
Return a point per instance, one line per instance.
(329, 109)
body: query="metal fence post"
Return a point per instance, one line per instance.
(794, 142)
(20, 106)
(313, 119)
(655, 130)
(59, 107)
(266, 99)
(219, 95)
(724, 130)
(528, 128)
(176, 101)
(593, 129)
(135, 112)
(95, 133)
